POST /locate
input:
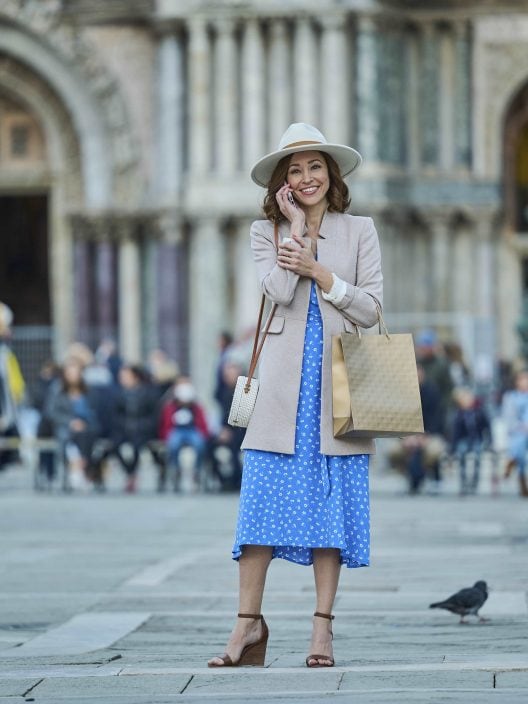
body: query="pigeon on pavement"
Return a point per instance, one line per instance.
(465, 602)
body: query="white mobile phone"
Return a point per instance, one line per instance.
(290, 198)
(286, 239)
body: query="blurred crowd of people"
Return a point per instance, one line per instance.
(96, 406)
(459, 420)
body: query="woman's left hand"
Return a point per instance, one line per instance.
(297, 257)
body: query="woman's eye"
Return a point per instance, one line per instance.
(316, 166)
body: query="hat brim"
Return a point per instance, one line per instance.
(347, 159)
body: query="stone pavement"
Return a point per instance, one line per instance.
(121, 599)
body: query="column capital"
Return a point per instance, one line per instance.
(366, 23)
(166, 28)
(168, 226)
(460, 28)
(426, 27)
(278, 28)
(224, 25)
(335, 21)
(197, 23)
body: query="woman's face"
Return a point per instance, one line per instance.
(72, 373)
(308, 177)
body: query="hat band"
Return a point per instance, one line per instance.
(301, 144)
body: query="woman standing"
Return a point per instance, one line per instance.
(304, 494)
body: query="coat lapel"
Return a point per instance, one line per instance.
(327, 242)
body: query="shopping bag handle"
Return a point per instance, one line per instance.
(381, 321)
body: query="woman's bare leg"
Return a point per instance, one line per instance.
(253, 566)
(327, 567)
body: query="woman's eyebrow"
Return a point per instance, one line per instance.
(310, 162)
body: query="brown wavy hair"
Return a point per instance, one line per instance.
(338, 196)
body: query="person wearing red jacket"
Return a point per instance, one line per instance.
(183, 424)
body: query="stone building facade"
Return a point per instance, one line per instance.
(127, 130)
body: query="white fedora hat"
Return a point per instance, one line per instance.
(300, 137)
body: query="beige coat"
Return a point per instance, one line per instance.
(348, 246)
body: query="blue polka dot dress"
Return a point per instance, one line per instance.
(306, 500)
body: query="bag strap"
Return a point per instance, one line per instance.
(381, 321)
(257, 347)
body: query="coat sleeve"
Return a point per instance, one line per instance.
(276, 283)
(359, 302)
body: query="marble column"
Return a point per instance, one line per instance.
(199, 96)
(83, 289)
(464, 275)
(62, 271)
(484, 264)
(172, 297)
(129, 296)
(105, 290)
(367, 92)
(208, 301)
(447, 101)
(253, 104)
(247, 292)
(305, 72)
(280, 99)
(429, 96)
(412, 103)
(336, 70)
(150, 282)
(170, 118)
(226, 99)
(462, 120)
(440, 262)
(424, 265)
(486, 321)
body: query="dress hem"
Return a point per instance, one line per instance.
(349, 561)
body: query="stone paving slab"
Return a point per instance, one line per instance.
(82, 633)
(414, 696)
(311, 681)
(432, 679)
(515, 680)
(14, 687)
(111, 686)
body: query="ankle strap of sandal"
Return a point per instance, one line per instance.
(257, 617)
(330, 617)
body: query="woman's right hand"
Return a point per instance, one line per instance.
(290, 210)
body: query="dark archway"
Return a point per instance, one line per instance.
(516, 163)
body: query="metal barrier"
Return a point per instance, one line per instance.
(32, 345)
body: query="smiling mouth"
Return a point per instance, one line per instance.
(309, 191)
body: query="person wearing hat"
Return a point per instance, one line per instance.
(304, 494)
(12, 386)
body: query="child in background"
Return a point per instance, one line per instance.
(183, 424)
(471, 436)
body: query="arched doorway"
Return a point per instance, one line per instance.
(24, 218)
(24, 270)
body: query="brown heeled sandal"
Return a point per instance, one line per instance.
(253, 653)
(321, 657)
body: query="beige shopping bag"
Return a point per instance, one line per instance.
(375, 388)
